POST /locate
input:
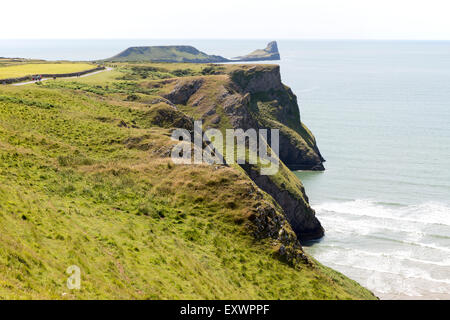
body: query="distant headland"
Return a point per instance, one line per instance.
(269, 53)
(190, 54)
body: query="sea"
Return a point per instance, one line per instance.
(380, 111)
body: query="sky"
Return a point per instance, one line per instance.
(229, 19)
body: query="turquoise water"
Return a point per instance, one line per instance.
(381, 114)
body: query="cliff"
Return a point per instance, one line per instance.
(86, 179)
(268, 53)
(254, 97)
(274, 105)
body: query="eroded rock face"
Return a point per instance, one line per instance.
(235, 106)
(298, 212)
(254, 97)
(296, 158)
(254, 79)
(183, 90)
(167, 116)
(269, 222)
(272, 47)
(257, 99)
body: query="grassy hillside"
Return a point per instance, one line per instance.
(85, 180)
(166, 54)
(25, 69)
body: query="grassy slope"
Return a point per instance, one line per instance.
(79, 187)
(260, 53)
(161, 53)
(21, 70)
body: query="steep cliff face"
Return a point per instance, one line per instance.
(274, 105)
(292, 200)
(254, 97)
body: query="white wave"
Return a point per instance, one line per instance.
(427, 213)
(410, 254)
(344, 224)
(407, 236)
(404, 242)
(398, 255)
(389, 282)
(386, 275)
(422, 276)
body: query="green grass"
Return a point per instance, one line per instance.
(85, 180)
(21, 70)
(165, 54)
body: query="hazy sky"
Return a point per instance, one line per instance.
(308, 19)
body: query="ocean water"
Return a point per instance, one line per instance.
(380, 111)
(381, 114)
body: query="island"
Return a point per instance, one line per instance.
(189, 54)
(166, 54)
(269, 53)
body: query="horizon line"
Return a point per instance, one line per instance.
(243, 39)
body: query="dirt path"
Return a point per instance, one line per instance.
(45, 79)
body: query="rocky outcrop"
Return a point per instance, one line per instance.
(272, 47)
(269, 53)
(257, 79)
(257, 98)
(166, 116)
(269, 223)
(254, 97)
(300, 215)
(183, 90)
(235, 106)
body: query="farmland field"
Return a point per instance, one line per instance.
(22, 70)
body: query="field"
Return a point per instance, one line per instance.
(21, 70)
(84, 181)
